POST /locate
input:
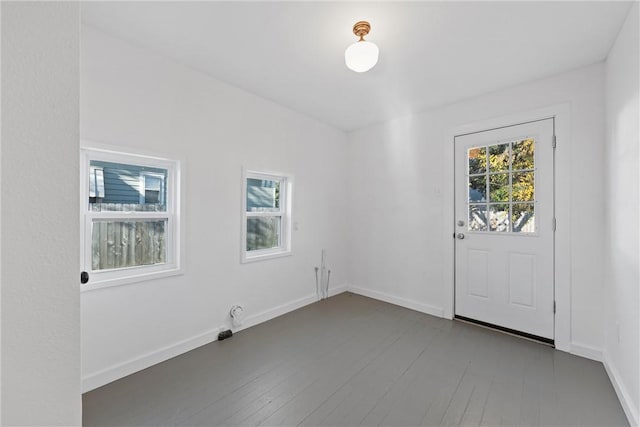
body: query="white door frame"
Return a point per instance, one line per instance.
(562, 193)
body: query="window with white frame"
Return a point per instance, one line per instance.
(266, 225)
(129, 211)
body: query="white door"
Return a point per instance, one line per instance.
(505, 227)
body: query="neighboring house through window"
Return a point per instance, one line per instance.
(130, 228)
(152, 187)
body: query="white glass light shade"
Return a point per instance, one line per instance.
(361, 56)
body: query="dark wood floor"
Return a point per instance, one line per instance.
(351, 360)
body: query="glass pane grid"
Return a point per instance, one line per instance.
(506, 173)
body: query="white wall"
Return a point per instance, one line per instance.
(0, 213)
(398, 182)
(622, 242)
(138, 100)
(40, 132)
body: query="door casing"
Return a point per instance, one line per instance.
(562, 192)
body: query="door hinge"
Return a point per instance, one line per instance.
(553, 142)
(554, 307)
(553, 224)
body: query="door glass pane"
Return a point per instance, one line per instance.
(498, 157)
(523, 218)
(119, 244)
(523, 186)
(477, 160)
(263, 232)
(499, 217)
(523, 154)
(477, 188)
(499, 187)
(478, 218)
(120, 187)
(263, 195)
(509, 169)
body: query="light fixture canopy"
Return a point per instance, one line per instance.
(362, 55)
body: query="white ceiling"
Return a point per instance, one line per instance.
(431, 53)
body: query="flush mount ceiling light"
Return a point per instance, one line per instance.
(362, 55)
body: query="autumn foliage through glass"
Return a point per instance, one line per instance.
(501, 180)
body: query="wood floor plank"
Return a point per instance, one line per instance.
(304, 403)
(380, 374)
(186, 384)
(346, 356)
(308, 355)
(351, 360)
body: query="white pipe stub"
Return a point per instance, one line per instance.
(236, 314)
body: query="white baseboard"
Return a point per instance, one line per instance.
(120, 370)
(628, 405)
(402, 302)
(285, 308)
(338, 290)
(586, 351)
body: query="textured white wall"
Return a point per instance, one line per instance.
(0, 213)
(622, 201)
(397, 196)
(40, 259)
(138, 100)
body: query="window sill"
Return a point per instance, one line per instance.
(99, 283)
(246, 258)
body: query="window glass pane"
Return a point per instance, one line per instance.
(96, 182)
(523, 154)
(523, 187)
(498, 157)
(153, 183)
(499, 187)
(263, 195)
(119, 244)
(477, 188)
(263, 232)
(120, 187)
(499, 217)
(153, 188)
(477, 160)
(478, 217)
(151, 196)
(523, 218)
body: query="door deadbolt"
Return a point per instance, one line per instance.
(460, 223)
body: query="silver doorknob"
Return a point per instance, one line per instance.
(460, 236)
